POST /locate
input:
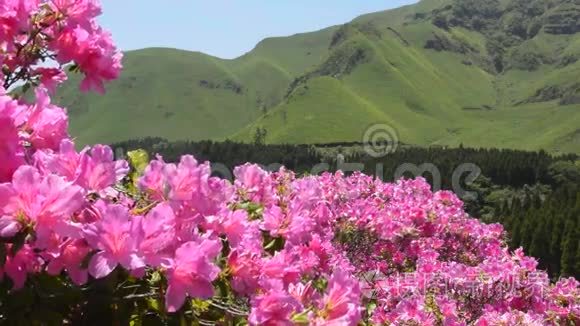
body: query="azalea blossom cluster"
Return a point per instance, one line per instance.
(39, 37)
(432, 264)
(269, 248)
(276, 231)
(289, 246)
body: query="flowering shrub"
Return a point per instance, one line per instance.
(103, 240)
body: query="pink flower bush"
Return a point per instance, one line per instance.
(267, 249)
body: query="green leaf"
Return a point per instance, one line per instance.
(199, 305)
(274, 245)
(242, 322)
(270, 245)
(301, 318)
(371, 306)
(155, 278)
(321, 284)
(139, 159)
(154, 305)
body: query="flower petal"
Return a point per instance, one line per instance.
(175, 297)
(101, 265)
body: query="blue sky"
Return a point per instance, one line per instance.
(225, 28)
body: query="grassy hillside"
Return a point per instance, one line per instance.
(441, 72)
(186, 95)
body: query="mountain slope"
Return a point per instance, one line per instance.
(187, 95)
(441, 72)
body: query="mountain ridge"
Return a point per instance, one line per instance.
(441, 72)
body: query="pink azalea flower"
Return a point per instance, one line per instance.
(50, 78)
(341, 304)
(274, 308)
(509, 318)
(240, 232)
(98, 169)
(188, 184)
(11, 151)
(192, 272)
(254, 182)
(191, 184)
(306, 259)
(67, 43)
(18, 267)
(76, 11)
(114, 236)
(234, 225)
(296, 226)
(275, 220)
(448, 309)
(154, 179)
(100, 64)
(64, 162)
(93, 50)
(47, 124)
(528, 263)
(70, 258)
(43, 202)
(188, 179)
(12, 109)
(282, 266)
(158, 235)
(413, 310)
(306, 294)
(245, 269)
(14, 15)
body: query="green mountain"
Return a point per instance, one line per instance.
(494, 73)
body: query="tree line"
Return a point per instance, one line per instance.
(549, 228)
